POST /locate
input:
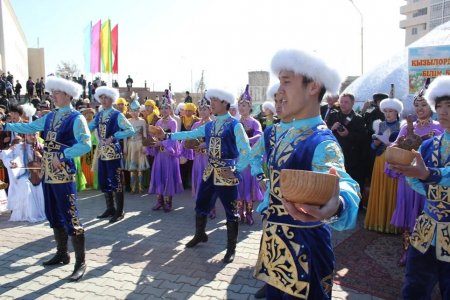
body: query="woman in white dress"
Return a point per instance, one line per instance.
(25, 199)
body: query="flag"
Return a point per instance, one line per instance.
(106, 47)
(87, 48)
(95, 47)
(115, 48)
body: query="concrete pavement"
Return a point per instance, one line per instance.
(140, 257)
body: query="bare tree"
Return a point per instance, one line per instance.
(67, 70)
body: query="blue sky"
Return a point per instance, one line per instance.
(167, 41)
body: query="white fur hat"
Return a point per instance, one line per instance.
(220, 94)
(272, 91)
(179, 107)
(108, 92)
(309, 65)
(439, 87)
(392, 103)
(269, 105)
(53, 83)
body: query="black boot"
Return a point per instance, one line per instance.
(62, 255)
(200, 234)
(232, 234)
(119, 208)
(80, 264)
(110, 210)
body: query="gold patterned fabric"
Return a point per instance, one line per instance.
(52, 150)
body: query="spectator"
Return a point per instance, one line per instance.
(349, 129)
(82, 82)
(17, 89)
(9, 89)
(10, 78)
(2, 85)
(30, 87)
(331, 106)
(129, 83)
(188, 98)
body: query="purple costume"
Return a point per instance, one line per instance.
(248, 189)
(410, 203)
(166, 178)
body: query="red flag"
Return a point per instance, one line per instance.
(115, 48)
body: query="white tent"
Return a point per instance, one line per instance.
(395, 70)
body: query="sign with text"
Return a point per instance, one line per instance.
(427, 62)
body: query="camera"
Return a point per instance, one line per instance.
(341, 128)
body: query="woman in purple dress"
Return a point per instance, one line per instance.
(165, 179)
(410, 203)
(200, 152)
(248, 189)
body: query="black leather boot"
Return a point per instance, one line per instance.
(80, 264)
(119, 214)
(62, 255)
(200, 234)
(110, 210)
(232, 234)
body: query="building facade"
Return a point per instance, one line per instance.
(258, 83)
(422, 16)
(13, 44)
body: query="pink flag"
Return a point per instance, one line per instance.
(115, 48)
(95, 47)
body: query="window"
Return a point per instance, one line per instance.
(424, 26)
(435, 23)
(420, 12)
(414, 31)
(436, 11)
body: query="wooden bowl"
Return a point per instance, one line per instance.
(398, 156)
(154, 130)
(191, 144)
(307, 187)
(149, 142)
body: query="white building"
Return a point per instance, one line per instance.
(13, 44)
(422, 16)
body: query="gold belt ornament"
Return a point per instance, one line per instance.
(108, 152)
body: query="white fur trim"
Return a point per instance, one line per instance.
(108, 92)
(69, 87)
(269, 105)
(439, 87)
(272, 91)
(220, 94)
(391, 103)
(309, 65)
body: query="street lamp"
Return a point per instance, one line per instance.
(362, 35)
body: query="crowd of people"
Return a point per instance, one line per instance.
(220, 151)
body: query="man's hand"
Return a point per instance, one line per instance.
(335, 126)
(417, 170)
(57, 165)
(313, 213)
(228, 173)
(107, 141)
(343, 132)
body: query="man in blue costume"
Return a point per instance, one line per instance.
(296, 257)
(111, 126)
(225, 140)
(66, 136)
(428, 260)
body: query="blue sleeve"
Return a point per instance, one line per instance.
(256, 157)
(83, 137)
(125, 125)
(94, 123)
(35, 126)
(188, 135)
(417, 185)
(328, 154)
(243, 146)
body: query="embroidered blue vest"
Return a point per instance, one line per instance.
(298, 154)
(106, 128)
(59, 136)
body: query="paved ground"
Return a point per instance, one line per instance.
(141, 257)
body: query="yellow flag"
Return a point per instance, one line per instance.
(106, 47)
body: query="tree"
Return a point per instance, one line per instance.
(67, 70)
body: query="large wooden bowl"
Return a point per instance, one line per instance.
(398, 156)
(307, 187)
(191, 144)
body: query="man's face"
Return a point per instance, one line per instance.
(15, 117)
(293, 94)
(60, 99)
(278, 105)
(105, 101)
(346, 104)
(443, 113)
(331, 100)
(218, 106)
